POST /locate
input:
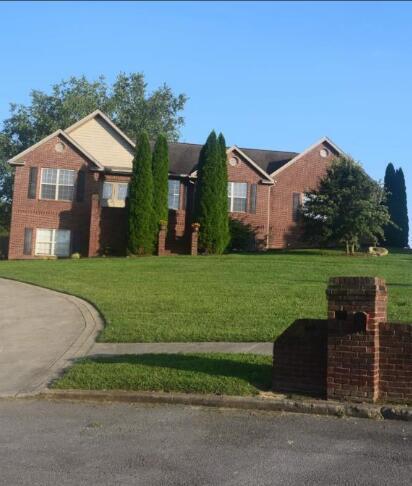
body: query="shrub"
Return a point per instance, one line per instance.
(242, 236)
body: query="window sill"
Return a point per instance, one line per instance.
(56, 200)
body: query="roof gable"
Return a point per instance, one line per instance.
(104, 141)
(18, 159)
(309, 149)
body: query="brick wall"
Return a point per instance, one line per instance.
(395, 362)
(299, 358)
(303, 175)
(366, 358)
(37, 213)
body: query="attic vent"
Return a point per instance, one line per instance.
(59, 147)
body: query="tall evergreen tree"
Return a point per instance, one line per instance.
(160, 169)
(390, 184)
(223, 189)
(397, 232)
(209, 196)
(403, 210)
(140, 201)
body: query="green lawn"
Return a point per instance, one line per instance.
(217, 373)
(227, 298)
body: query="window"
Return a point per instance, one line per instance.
(114, 194)
(122, 190)
(52, 242)
(28, 234)
(107, 190)
(296, 205)
(237, 196)
(174, 194)
(57, 184)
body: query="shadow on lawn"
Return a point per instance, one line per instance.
(257, 374)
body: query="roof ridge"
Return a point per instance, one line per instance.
(270, 150)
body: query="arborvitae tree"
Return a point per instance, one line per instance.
(390, 184)
(403, 221)
(222, 194)
(396, 232)
(140, 201)
(160, 169)
(208, 205)
(347, 208)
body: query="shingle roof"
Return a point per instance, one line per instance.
(183, 157)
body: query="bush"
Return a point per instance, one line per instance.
(242, 236)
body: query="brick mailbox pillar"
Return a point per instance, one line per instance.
(194, 239)
(161, 240)
(356, 306)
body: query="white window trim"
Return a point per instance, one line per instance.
(56, 192)
(232, 198)
(115, 190)
(52, 243)
(174, 194)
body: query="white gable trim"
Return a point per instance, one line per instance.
(299, 156)
(95, 114)
(251, 162)
(16, 159)
(268, 178)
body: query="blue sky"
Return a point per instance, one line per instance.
(269, 75)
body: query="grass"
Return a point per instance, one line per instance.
(234, 297)
(220, 373)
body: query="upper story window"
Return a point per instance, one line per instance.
(114, 194)
(57, 184)
(174, 194)
(237, 196)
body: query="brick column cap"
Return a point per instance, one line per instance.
(367, 282)
(356, 286)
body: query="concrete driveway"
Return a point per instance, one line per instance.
(41, 331)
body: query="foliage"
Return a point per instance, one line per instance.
(141, 221)
(211, 197)
(347, 208)
(160, 169)
(126, 102)
(232, 297)
(219, 373)
(242, 236)
(396, 233)
(224, 233)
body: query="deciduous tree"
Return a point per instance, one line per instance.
(347, 208)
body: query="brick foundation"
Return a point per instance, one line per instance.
(353, 355)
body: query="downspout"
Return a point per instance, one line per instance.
(268, 219)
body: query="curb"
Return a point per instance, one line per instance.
(275, 404)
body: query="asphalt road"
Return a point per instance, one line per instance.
(59, 443)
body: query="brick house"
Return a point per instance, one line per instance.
(70, 190)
